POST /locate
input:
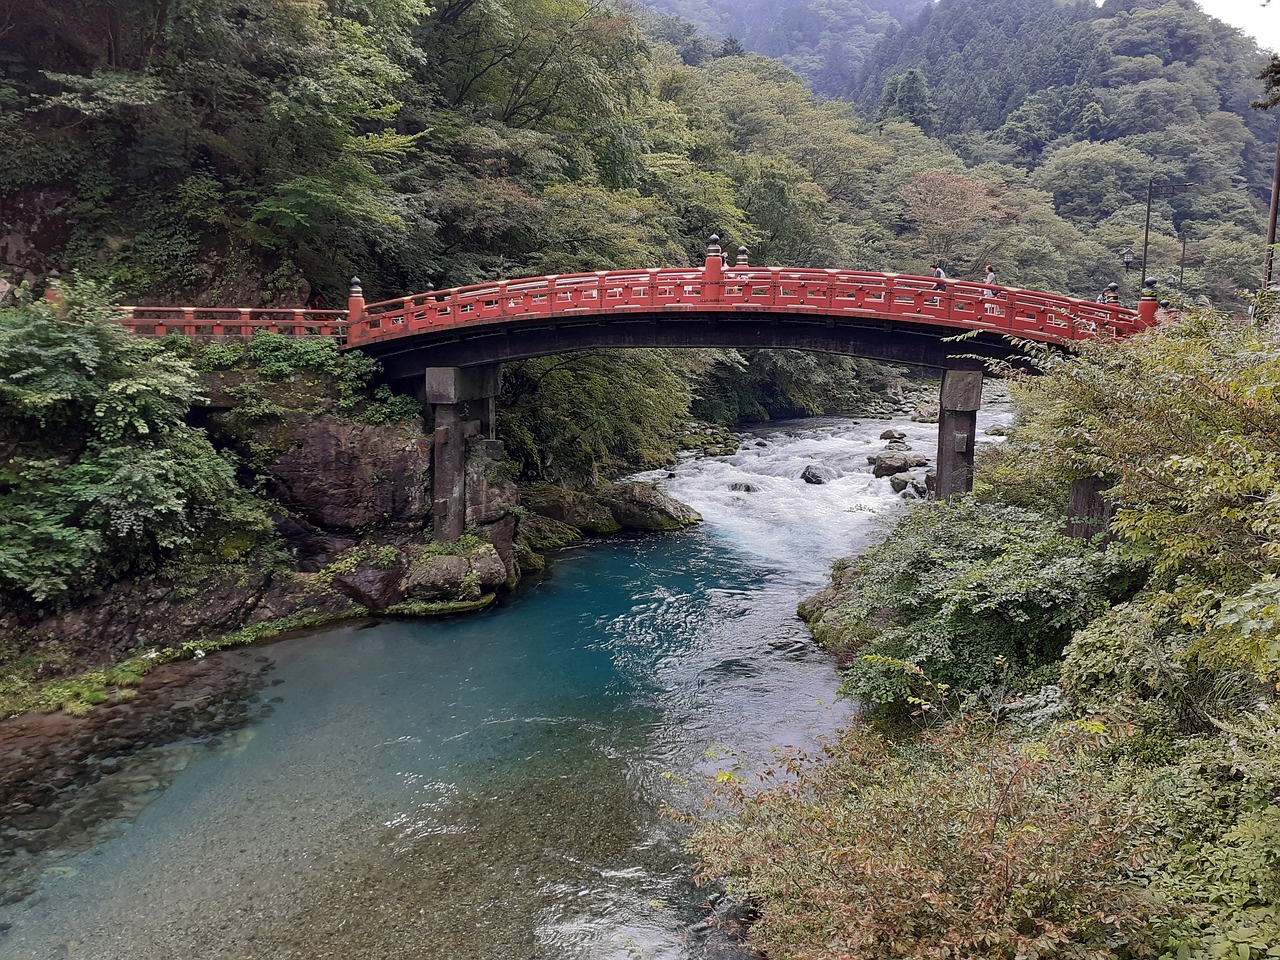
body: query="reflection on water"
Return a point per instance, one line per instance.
(492, 786)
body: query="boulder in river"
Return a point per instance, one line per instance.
(572, 507)
(739, 486)
(816, 473)
(642, 506)
(892, 434)
(900, 482)
(897, 445)
(888, 463)
(926, 413)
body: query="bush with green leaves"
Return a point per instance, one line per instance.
(971, 593)
(961, 845)
(1184, 422)
(99, 474)
(350, 374)
(578, 417)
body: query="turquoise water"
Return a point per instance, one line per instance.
(500, 785)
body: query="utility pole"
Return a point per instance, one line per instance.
(1271, 218)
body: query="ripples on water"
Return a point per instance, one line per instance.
(494, 786)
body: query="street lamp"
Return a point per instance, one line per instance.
(1126, 257)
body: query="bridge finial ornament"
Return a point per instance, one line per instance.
(742, 258)
(713, 246)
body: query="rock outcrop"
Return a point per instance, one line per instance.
(642, 506)
(352, 476)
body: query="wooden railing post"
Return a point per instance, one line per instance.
(1148, 304)
(713, 272)
(355, 302)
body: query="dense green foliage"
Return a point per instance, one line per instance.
(969, 593)
(959, 846)
(578, 417)
(99, 475)
(1148, 803)
(202, 151)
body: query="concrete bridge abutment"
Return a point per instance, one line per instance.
(463, 405)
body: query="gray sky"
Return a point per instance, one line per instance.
(1261, 23)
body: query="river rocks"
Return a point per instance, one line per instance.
(610, 508)
(642, 506)
(926, 413)
(900, 482)
(816, 474)
(436, 576)
(545, 533)
(888, 463)
(48, 760)
(740, 486)
(892, 434)
(375, 586)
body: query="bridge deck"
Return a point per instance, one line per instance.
(671, 292)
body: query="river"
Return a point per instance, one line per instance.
(496, 786)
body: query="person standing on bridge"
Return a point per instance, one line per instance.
(990, 280)
(1110, 294)
(940, 275)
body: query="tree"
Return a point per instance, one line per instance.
(107, 477)
(906, 98)
(949, 210)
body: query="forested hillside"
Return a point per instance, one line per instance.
(824, 41)
(214, 152)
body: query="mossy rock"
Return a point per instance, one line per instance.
(423, 608)
(571, 507)
(542, 533)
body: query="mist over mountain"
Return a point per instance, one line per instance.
(825, 41)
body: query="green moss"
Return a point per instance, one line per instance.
(422, 608)
(77, 695)
(543, 533)
(380, 556)
(464, 546)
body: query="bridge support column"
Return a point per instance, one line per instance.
(464, 404)
(1088, 513)
(957, 425)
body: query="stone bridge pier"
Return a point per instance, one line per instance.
(960, 400)
(464, 406)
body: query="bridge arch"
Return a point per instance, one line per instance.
(451, 343)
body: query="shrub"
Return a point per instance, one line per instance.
(971, 592)
(955, 846)
(103, 474)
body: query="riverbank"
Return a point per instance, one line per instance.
(1076, 744)
(506, 771)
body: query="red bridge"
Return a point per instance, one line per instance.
(451, 342)
(882, 316)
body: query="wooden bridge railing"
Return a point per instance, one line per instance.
(962, 305)
(215, 322)
(713, 289)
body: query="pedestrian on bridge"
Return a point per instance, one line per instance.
(990, 280)
(1110, 294)
(940, 275)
